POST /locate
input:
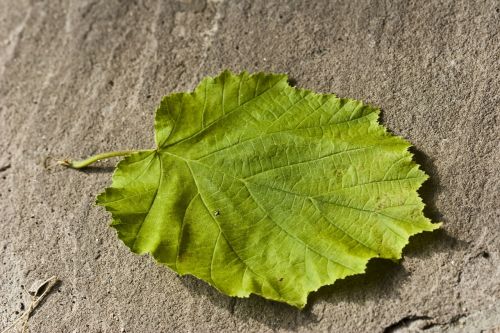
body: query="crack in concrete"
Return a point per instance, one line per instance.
(404, 323)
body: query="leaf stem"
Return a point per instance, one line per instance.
(86, 162)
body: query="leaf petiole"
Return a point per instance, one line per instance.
(86, 162)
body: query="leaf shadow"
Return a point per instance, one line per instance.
(274, 315)
(380, 279)
(431, 187)
(426, 243)
(98, 169)
(384, 277)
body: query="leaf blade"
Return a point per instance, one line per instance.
(267, 189)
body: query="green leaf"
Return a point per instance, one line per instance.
(259, 187)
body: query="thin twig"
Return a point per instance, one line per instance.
(35, 301)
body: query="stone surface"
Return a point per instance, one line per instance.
(80, 77)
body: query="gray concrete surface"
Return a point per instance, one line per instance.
(80, 77)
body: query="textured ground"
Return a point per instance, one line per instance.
(78, 77)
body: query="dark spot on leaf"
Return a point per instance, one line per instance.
(292, 82)
(216, 213)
